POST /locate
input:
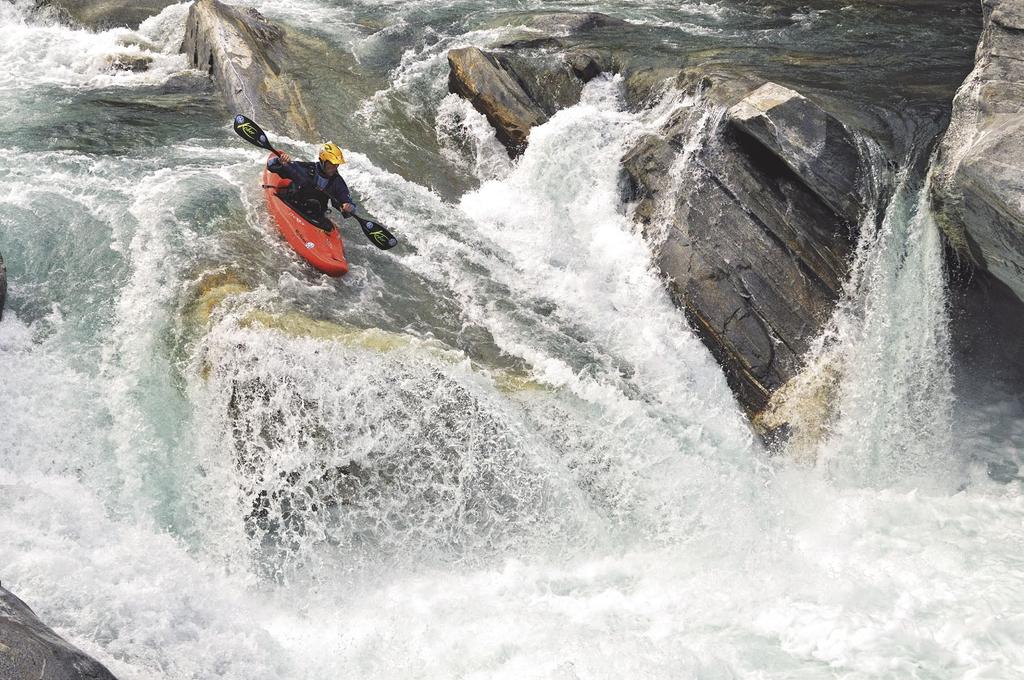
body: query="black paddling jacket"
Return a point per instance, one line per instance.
(309, 181)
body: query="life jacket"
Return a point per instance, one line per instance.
(305, 196)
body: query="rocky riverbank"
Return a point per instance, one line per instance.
(978, 187)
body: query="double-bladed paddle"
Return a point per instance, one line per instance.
(252, 133)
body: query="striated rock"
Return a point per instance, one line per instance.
(106, 13)
(243, 51)
(30, 649)
(753, 253)
(526, 81)
(518, 89)
(978, 180)
(816, 146)
(496, 93)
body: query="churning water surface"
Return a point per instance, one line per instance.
(494, 452)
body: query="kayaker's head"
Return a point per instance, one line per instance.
(330, 158)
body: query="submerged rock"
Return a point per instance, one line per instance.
(30, 649)
(753, 252)
(106, 13)
(130, 62)
(243, 51)
(978, 180)
(570, 23)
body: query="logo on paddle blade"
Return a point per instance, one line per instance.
(379, 237)
(250, 132)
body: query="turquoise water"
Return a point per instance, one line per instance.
(495, 451)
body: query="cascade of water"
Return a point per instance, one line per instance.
(574, 500)
(873, 405)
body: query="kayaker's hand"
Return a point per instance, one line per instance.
(347, 209)
(285, 158)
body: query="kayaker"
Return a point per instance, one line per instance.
(315, 184)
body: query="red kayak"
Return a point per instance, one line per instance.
(322, 249)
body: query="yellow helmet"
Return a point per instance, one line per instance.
(331, 153)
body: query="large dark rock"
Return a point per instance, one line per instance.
(814, 144)
(552, 81)
(978, 180)
(96, 14)
(524, 82)
(753, 253)
(243, 52)
(496, 93)
(517, 89)
(30, 649)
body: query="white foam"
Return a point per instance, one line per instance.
(48, 53)
(668, 555)
(467, 140)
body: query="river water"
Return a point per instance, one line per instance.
(496, 451)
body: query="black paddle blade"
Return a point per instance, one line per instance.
(377, 233)
(251, 132)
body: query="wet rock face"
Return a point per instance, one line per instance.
(517, 90)
(812, 143)
(753, 253)
(521, 84)
(978, 180)
(30, 649)
(106, 13)
(496, 93)
(243, 52)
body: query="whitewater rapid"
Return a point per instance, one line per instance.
(556, 481)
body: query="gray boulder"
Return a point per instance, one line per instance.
(106, 13)
(518, 89)
(815, 145)
(243, 52)
(524, 82)
(978, 179)
(551, 81)
(30, 649)
(496, 93)
(753, 253)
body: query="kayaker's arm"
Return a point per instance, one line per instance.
(278, 161)
(284, 167)
(341, 198)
